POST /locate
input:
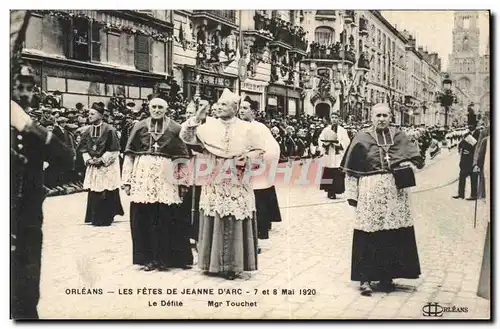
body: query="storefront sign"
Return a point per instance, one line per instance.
(207, 79)
(282, 91)
(88, 74)
(248, 86)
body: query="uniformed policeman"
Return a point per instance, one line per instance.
(31, 145)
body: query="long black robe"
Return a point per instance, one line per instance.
(102, 206)
(382, 254)
(160, 232)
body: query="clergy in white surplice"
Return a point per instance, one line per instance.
(151, 177)
(266, 200)
(333, 141)
(227, 243)
(100, 149)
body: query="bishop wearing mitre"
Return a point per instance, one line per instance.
(152, 176)
(227, 243)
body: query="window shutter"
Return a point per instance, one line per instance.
(168, 58)
(142, 53)
(96, 43)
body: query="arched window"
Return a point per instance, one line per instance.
(465, 42)
(464, 83)
(324, 35)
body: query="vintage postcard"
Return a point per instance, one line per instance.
(250, 164)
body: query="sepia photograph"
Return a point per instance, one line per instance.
(250, 164)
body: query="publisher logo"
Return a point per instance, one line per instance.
(436, 310)
(432, 309)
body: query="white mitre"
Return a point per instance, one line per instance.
(227, 139)
(228, 97)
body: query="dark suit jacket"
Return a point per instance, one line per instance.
(467, 152)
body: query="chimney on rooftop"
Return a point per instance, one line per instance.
(412, 42)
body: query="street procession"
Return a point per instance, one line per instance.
(295, 164)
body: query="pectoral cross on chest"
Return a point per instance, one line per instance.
(156, 133)
(385, 140)
(387, 158)
(156, 146)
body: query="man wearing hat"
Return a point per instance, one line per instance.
(266, 201)
(151, 173)
(31, 146)
(100, 148)
(466, 148)
(333, 142)
(227, 242)
(57, 176)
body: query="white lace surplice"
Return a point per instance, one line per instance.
(107, 177)
(151, 179)
(332, 160)
(225, 197)
(381, 206)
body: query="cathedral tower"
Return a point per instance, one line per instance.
(464, 60)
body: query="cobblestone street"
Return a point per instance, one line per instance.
(308, 255)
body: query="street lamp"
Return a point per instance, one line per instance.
(446, 98)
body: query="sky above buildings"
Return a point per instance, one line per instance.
(433, 30)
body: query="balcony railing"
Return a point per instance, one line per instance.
(282, 30)
(363, 26)
(228, 15)
(336, 52)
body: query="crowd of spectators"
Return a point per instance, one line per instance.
(297, 136)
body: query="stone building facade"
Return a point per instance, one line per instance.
(92, 55)
(469, 69)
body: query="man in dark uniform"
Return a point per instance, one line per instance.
(31, 145)
(466, 148)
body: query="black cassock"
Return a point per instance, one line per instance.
(102, 206)
(160, 231)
